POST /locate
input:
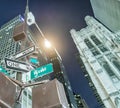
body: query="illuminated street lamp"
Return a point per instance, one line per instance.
(47, 44)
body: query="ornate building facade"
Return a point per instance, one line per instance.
(99, 55)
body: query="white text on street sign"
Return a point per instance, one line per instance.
(24, 52)
(39, 72)
(16, 65)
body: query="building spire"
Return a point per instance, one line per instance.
(27, 7)
(26, 10)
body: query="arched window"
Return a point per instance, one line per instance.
(117, 102)
(110, 72)
(95, 40)
(103, 48)
(95, 52)
(116, 64)
(91, 47)
(108, 69)
(88, 43)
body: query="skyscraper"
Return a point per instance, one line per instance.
(107, 12)
(99, 56)
(7, 45)
(44, 56)
(60, 74)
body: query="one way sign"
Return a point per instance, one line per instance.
(16, 65)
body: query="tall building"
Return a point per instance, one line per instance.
(7, 45)
(9, 48)
(107, 12)
(99, 57)
(60, 74)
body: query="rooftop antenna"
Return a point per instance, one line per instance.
(26, 11)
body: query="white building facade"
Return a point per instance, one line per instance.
(99, 50)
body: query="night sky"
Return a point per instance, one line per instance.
(56, 18)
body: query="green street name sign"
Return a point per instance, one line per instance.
(39, 72)
(3, 70)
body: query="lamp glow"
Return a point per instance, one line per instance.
(47, 44)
